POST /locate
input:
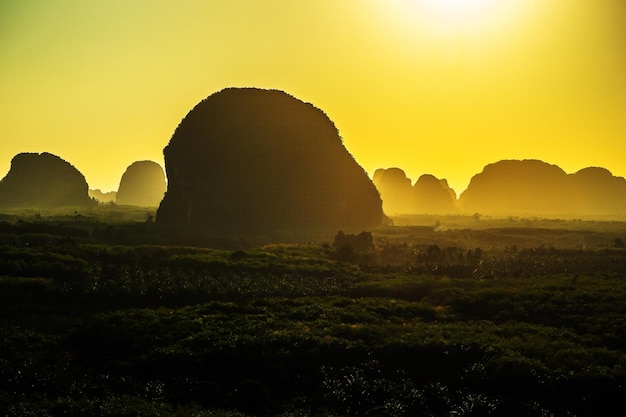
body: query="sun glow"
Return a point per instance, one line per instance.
(469, 17)
(458, 9)
(431, 86)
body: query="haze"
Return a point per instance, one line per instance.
(104, 84)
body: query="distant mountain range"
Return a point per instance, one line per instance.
(39, 180)
(521, 187)
(508, 188)
(504, 188)
(427, 195)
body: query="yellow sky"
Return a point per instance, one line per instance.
(105, 83)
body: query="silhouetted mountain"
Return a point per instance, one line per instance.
(246, 161)
(43, 180)
(451, 192)
(142, 184)
(428, 195)
(395, 190)
(433, 196)
(596, 191)
(108, 197)
(514, 187)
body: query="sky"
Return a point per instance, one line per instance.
(439, 87)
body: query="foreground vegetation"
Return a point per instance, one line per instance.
(101, 318)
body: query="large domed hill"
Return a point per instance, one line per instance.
(142, 184)
(43, 180)
(247, 160)
(517, 187)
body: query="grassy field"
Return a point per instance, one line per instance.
(448, 316)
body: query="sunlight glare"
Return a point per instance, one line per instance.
(470, 16)
(458, 9)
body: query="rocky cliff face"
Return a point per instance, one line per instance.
(253, 161)
(142, 184)
(43, 180)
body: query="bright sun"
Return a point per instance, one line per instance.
(457, 9)
(468, 16)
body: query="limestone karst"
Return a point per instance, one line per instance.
(142, 184)
(43, 180)
(596, 191)
(533, 187)
(395, 190)
(246, 161)
(428, 194)
(433, 196)
(103, 197)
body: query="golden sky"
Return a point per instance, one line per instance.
(431, 86)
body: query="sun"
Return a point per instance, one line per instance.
(457, 9)
(467, 17)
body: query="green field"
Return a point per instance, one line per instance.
(101, 315)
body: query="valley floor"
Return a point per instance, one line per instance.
(450, 316)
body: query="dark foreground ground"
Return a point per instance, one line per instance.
(453, 317)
